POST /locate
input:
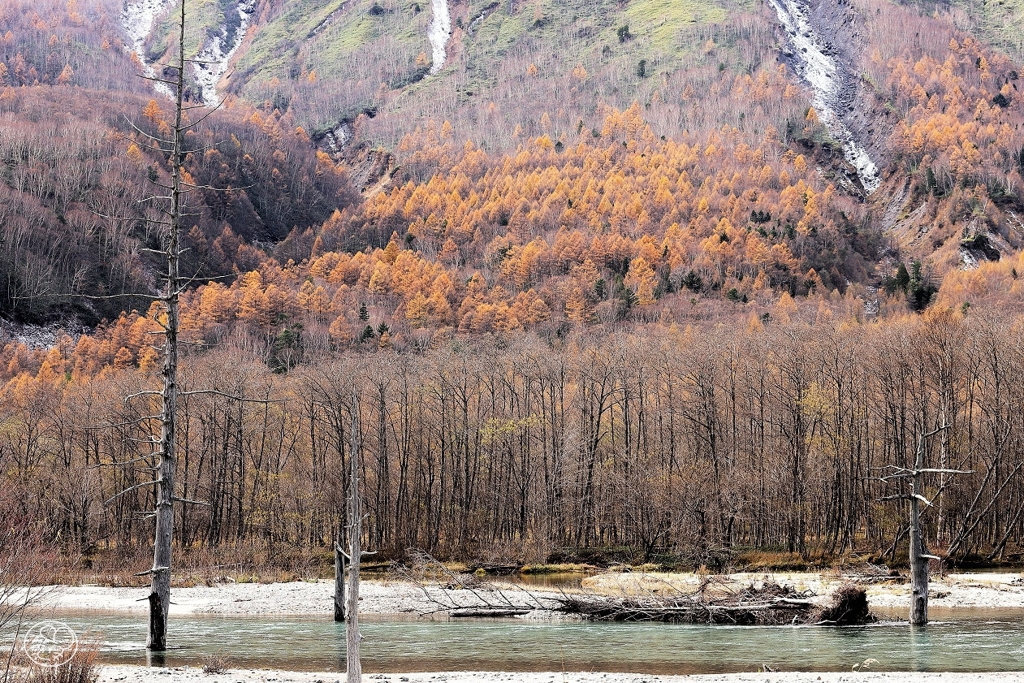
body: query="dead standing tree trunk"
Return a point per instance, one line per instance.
(339, 581)
(352, 637)
(165, 449)
(918, 556)
(160, 587)
(355, 552)
(328, 389)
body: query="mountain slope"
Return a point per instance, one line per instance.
(529, 90)
(73, 183)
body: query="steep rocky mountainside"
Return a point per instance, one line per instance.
(373, 71)
(342, 122)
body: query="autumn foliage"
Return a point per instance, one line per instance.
(652, 310)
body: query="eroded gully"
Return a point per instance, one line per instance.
(438, 32)
(823, 73)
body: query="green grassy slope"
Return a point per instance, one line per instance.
(661, 21)
(273, 48)
(323, 35)
(1001, 22)
(203, 17)
(331, 59)
(626, 51)
(328, 60)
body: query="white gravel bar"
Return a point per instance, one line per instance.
(980, 590)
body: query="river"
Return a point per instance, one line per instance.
(977, 640)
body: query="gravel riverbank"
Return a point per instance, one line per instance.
(285, 599)
(981, 590)
(395, 598)
(138, 674)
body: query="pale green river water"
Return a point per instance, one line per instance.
(991, 640)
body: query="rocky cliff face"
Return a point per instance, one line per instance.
(137, 19)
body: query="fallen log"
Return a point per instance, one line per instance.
(494, 569)
(489, 613)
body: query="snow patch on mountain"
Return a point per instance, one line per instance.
(822, 73)
(137, 18)
(212, 62)
(438, 32)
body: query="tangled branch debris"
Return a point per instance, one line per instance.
(769, 604)
(848, 607)
(868, 573)
(713, 602)
(467, 595)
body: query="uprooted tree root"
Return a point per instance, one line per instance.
(465, 595)
(848, 607)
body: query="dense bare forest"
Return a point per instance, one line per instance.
(73, 179)
(666, 440)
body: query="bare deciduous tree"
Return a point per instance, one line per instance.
(166, 446)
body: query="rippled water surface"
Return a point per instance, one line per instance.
(978, 641)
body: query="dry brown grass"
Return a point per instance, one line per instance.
(242, 563)
(83, 667)
(772, 561)
(215, 664)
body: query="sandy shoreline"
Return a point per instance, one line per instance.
(396, 598)
(981, 590)
(123, 674)
(298, 598)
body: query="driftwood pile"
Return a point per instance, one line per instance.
(848, 607)
(769, 604)
(714, 601)
(868, 573)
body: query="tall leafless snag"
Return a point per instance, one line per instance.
(160, 589)
(165, 448)
(327, 388)
(355, 554)
(918, 557)
(355, 529)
